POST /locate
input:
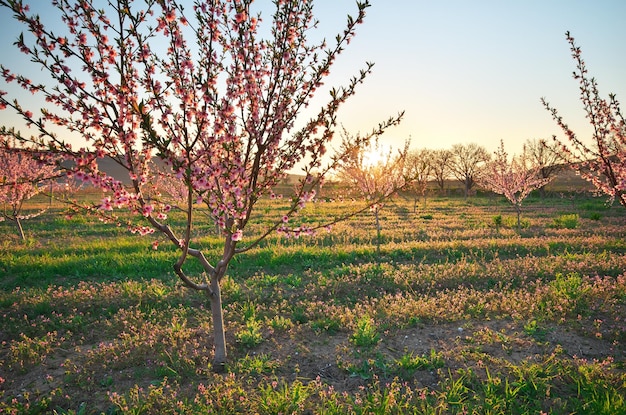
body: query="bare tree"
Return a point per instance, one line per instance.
(441, 167)
(546, 157)
(418, 169)
(466, 164)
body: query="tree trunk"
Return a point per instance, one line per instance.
(219, 342)
(19, 228)
(377, 233)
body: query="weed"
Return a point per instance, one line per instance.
(497, 221)
(535, 330)
(159, 398)
(369, 367)
(281, 398)
(593, 204)
(293, 280)
(255, 365)
(249, 310)
(409, 363)
(456, 391)
(106, 381)
(250, 336)
(391, 397)
(326, 324)
(231, 290)
(280, 323)
(29, 351)
(597, 396)
(570, 288)
(159, 291)
(511, 222)
(25, 404)
(82, 410)
(570, 221)
(365, 333)
(595, 216)
(299, 315)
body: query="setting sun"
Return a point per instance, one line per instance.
(375, 155)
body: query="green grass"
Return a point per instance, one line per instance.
(458, 313)
(569, 221)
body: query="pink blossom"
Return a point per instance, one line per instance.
(147, 210)
(170, 16)
(106, 204)
(237, 235)
(240, 17)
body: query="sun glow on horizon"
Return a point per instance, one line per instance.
(376, 154)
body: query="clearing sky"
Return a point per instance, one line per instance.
(464, 71)
(474, 71)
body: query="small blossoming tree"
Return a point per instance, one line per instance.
(21, 177)
(375, 174)
(514, 179)
(208, 94)
(603, 162)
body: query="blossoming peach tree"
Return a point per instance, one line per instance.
(22, 176)
(514, 179)
(210, 93)
(374, 173)
(603, 162)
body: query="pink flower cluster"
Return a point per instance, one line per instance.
(604, 163)
(22, 176)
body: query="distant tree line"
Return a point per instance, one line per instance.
(468, 163)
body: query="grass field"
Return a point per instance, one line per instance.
(459, 313)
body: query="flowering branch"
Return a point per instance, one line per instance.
(604, 162)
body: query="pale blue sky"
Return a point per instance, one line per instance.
(474, 71)
(464, 71)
